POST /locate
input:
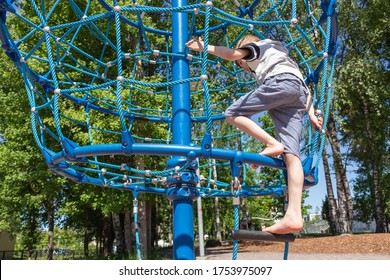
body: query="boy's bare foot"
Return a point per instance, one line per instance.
(270, 150)
(254, 166)
(274, 149)
(287, 225)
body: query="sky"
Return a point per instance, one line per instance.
(317, 193)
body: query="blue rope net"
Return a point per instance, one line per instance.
(100, 86)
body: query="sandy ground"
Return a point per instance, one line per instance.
(347, 247)
(212, 255)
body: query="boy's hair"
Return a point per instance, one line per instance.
(246, 40)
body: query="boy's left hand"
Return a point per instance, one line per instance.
(195, 45)
(316, 122)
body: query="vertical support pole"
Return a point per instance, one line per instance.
(285, 255)
(181, 115)
(200, 223)
(200, 228)
(182, 189)
(183, 226)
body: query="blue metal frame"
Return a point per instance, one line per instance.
(182, 192)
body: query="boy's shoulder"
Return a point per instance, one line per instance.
(269, 42)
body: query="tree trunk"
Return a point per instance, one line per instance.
(127, 229)
(86, 243)
(86, 233)
(50, 219)
(380, 217)
(332, 215)
(154, 235)
(376, 193)
(145, 233)
(244, 215)
(119, 237)
(343, 192)
(144, 211)
(107, 236)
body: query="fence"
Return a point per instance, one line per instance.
(60, 254)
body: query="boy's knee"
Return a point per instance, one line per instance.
(291, 156)
(291, 159)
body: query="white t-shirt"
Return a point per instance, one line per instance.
(269, 58)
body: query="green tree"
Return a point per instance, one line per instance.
(362, 100)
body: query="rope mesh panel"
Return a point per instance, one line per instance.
(100, 85)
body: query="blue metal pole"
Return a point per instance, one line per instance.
(182, 190)
(181, 117)
(183, 222)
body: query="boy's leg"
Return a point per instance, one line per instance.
(273, 147)
(264, 98)
(292, 221)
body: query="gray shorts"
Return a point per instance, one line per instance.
(284, 96)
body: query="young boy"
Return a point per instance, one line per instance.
(282, 92)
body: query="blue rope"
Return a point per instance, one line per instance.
(69, 73)
(236, 208)
(135, 212)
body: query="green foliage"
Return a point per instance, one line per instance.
(362, 98)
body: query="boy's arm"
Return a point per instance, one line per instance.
(220, 51)
(316, 121)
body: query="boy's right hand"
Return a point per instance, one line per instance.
(316, 122)
(195, 45)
